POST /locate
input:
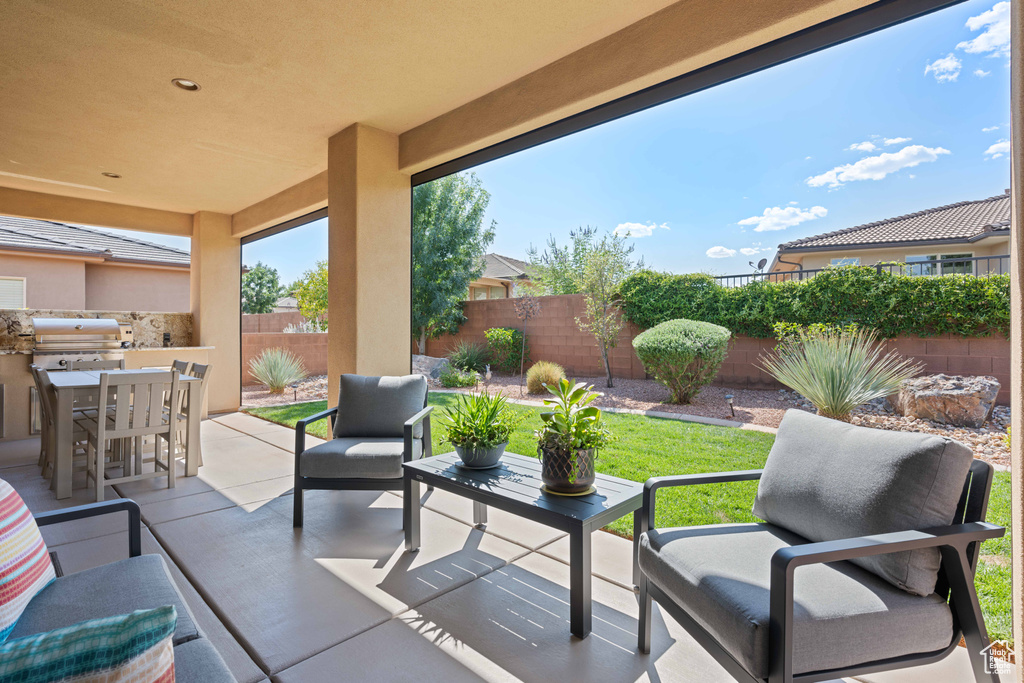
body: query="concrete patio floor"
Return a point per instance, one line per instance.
(342, 600)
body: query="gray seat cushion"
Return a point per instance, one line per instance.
(842, 614)
(198, 661)
(357, 458)
(109, 590)
(379, 406)
(826, 480)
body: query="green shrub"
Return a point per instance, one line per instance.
(543, 373)
(505, 346)
(892, 304)
(453, 377)
(838, 370)
(468, 356)
(277, 368)
(480, 421)
(684, 355)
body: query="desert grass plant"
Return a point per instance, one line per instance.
(453, 378)
(277, 368)
(684, 355)
(468, 356)
(543, 374)
(838, 370)
(481, 420)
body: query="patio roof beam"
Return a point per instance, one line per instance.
(53, 207)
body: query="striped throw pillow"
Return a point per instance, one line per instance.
(132, 648)
(25, 567)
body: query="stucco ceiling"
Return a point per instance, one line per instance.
(86, 85)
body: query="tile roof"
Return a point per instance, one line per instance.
(503, 268)
(963, 221)
(34, 235)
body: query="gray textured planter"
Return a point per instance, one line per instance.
(481, 458)
(569, 472)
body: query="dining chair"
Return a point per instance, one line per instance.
(137, 411)
(47, 437)
(181, 366)
(97, 365)
(202, 373)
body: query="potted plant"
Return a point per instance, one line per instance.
(478, 426)
(568, 441)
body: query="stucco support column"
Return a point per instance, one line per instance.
(369, 252)
(1017, 326)
(216, 310)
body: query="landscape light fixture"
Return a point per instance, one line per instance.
(728, 399)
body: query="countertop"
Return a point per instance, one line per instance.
(28, 352)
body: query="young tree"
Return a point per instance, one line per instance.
(311, 294)
(261, 288)
(448, 241)
(557, 269)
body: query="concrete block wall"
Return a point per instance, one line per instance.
(253, 323)
(311, 348)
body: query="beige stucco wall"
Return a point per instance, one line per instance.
(49, 282)
(869, 257)
(132, 288)
(1017, 326)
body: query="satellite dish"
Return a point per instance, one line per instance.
(762, 263)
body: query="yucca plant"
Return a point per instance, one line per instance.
(277, 368)
(838, 369)
(468, 356)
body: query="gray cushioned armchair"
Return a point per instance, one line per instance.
(379, 423)
(885, 529)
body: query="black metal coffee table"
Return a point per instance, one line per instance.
(515, 487)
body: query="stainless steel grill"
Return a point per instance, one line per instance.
(59, 341)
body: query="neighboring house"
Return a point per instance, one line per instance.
(49, 265)
(499, 279)
(963, 230)
(286, 304)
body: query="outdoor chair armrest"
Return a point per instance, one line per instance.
(424, 417)
(654, 483)
(300, 428)
(102, 508)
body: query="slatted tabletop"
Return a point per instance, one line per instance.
(88, 379)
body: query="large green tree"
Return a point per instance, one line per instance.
(557, 269)
(261, 288)
(448, 241)
(310, 292)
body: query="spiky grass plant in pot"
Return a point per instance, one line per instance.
(478, 426)
(568, 441)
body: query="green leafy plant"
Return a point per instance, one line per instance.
(508, 348)
(277, 368)
(572, 424)
(468, 356)
(311, 294)
(454, 378)
(890, 304)
(684, 355)
(543, 374)
(261, 288)
(480, 421)
(791, 331)
(838, 370)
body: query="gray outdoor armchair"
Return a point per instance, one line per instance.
(885, 529)
(379, 423)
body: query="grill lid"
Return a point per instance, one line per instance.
(83, 328)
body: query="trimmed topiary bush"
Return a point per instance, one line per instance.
(506, 348)
(543, 373)
(684, 355)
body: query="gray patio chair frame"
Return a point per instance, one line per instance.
(354, 484)
(958, 543)
(103, 507)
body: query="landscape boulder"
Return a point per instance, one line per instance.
(948, 399)
(428, 366)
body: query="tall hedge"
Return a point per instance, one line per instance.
(892, 304)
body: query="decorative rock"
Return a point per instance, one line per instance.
(948, 399)
(428, 366)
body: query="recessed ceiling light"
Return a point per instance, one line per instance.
(185, 84)
(108, 174)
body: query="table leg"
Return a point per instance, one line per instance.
(411, 513)
(63, 454)
(579, 582)
(479, 513)
(192, 445)
(637, 530)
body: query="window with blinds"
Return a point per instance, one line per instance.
(12, 292)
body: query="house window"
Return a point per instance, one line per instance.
(12, 292)
(849, 261)
(479, 294)
(497, 292)
(928, 265)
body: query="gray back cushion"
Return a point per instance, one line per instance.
(379, 406)
(827, 480)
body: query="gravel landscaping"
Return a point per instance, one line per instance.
(310, 389)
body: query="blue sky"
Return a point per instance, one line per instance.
(902, 120)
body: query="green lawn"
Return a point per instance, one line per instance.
(645, 447)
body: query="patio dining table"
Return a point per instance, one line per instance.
(68, 385)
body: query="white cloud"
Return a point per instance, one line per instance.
(877, 167)
(996, 37)
(945, 68)
(779, 218)
(895, 141)
(865, 146)
(989, 129)
(793, 203)
(980, 73)
(750, 251)
(638, 229)
(997, 150)
(720, 252)
(807, 158)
